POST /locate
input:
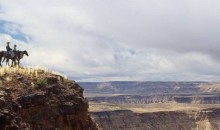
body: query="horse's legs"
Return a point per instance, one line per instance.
(7, 61)
(3, 60)
(12, 62)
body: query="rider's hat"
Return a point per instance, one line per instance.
(8, 42)
(15, 45)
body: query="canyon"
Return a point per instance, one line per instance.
(35, 99)
(154, 105)
(170, 120)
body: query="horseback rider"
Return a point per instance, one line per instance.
(13, 55)
(14, 51)
(8, 49)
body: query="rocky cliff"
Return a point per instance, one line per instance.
(38, 100)
(207, 119)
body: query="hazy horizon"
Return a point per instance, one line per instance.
(117, 40)
(147, 81)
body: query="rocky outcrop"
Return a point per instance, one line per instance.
(42, 101)
(199, 99)
(150, 87)
(140, 99)
(127, 120)
(133, 99)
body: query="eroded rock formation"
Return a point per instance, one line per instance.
(207, 119)
(42, 101)
(142, 99)
(151, 87)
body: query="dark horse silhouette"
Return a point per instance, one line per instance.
(17, 56)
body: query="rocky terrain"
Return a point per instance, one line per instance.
(147, 99)
(153, 92)
(34, 99)
(207, 119)
(150, 87)
(154, 105)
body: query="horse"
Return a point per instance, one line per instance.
(17, 55)
(3, 54)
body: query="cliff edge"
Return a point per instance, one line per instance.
(34, 99)
(207, 119)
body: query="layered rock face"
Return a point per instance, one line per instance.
(148, 87)
(141, 99)
(38, 100)
(155, 105)
(127, 120)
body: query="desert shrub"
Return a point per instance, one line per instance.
(41, 82)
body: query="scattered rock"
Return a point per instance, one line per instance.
(51, 80)
(32, 99)
(8, 90)
(20, 78)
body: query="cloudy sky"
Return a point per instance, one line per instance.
(111, 40)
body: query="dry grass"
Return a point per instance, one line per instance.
(27, 71)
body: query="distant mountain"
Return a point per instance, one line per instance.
(148, 87)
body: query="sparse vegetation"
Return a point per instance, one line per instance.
(41, 82)
(28, 71)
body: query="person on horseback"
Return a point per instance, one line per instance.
(8, 49)
(14, 51)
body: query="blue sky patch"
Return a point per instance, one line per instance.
(13, 30)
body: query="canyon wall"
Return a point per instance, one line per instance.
(141, 99)
(155, 105)
(150, 87)
(127, 120)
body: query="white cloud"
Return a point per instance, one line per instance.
(118, 40)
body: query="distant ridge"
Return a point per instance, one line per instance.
(151, 87)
